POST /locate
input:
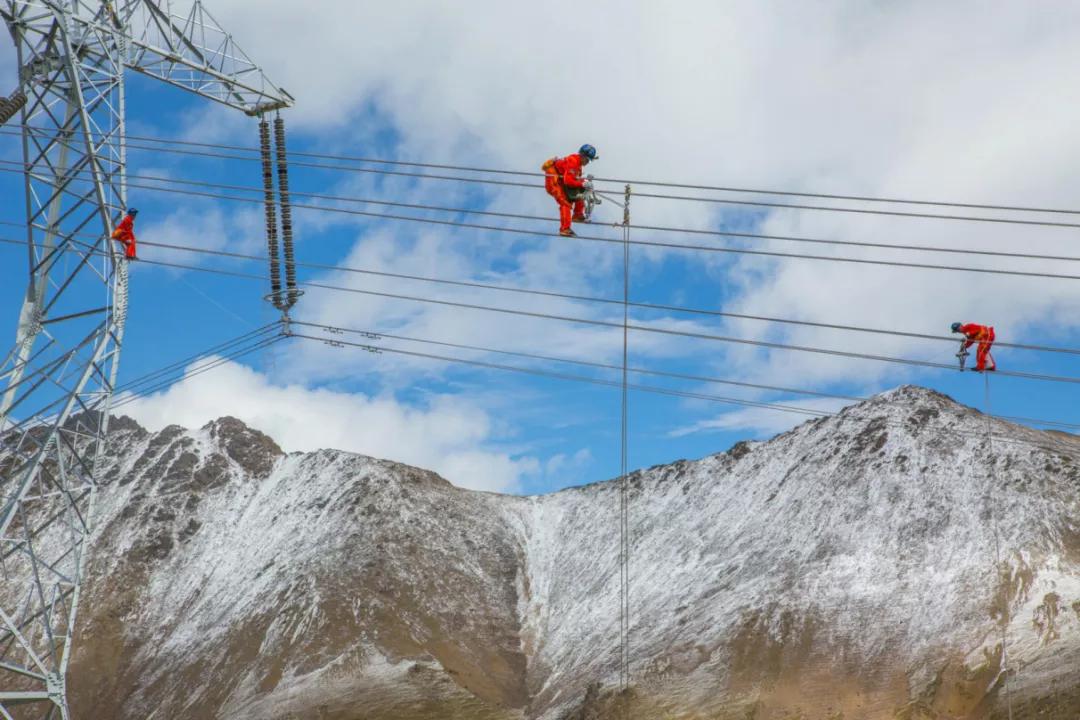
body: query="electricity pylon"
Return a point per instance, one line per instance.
(59, 377)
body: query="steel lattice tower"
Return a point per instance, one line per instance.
(58, 379)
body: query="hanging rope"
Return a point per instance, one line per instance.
(271, 214)
(292, 293)
(997, 547)
(624, 490)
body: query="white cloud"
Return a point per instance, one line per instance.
(566, 468)
(762, 421)
(903, 100)
(446, 434)
(920, 100)
(203, 227)
(435, 254)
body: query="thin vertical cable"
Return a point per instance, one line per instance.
(624, 490)
(286, 212)
(997, 547)
(271, 213)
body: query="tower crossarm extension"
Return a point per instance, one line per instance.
(181, 43)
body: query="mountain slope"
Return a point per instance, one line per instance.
(848, 568)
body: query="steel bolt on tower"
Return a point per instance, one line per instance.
(58, 379)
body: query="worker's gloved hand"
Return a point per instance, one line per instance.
(589, 178)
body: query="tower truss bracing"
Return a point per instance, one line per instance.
(57, 380)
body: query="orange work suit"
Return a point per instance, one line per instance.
(984, 335)
(563, 174)
(125, 233)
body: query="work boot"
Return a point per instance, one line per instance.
(580, 218)
(567, 232)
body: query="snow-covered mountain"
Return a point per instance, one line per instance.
(845, 569)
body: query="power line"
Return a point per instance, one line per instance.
(258, 341)
(693, 335)
(193, 372)
(131, 385)
(674, 375)
(582, 298)
(1057, 445)
(540, 218)
(861, 211)
(371, 334)
(647, 243)
(658, 196)
(859, 198)
(262, 342)
(639, 328)
(859, 243)
(212, 301)
(561, 376)
(611, 301)
(376, 335)
(258, 336)
(620, 181)
(643, 305)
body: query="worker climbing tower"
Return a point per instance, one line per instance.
(57, 380)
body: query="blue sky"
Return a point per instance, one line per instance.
(873, 101)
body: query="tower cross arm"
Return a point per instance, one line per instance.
(188, 48)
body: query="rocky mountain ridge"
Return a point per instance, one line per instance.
(844, 569)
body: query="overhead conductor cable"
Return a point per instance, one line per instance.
(667, 245)
(1004, 207)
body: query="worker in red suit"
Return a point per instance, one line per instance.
(982, 334)
(565, 183)
(125, 233)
